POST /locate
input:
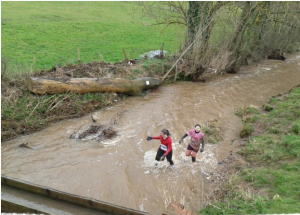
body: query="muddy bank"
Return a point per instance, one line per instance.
(24, 112)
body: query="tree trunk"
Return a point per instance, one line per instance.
(193, 21)
(247, 18)
(42, 86)
(200, 24)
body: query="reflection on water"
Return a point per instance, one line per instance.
(122, 170)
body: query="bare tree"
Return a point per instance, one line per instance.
(165, 13)
(222, 36)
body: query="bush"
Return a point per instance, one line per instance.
(268, 108)
(296, 129)
(247, 130)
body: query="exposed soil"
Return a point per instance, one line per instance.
(97, 70)
(228, 167)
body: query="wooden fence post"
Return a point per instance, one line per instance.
(78, 54)
(125, 55)
(34, 63)
(101, 58)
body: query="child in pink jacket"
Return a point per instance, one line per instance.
(197, 137)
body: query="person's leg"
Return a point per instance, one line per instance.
(159, 154)
(193, 159)
(194, 154)
(169, 158)
(189, 150)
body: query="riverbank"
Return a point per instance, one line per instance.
(263, 175)
(23, 112)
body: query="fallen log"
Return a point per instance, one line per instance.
(43, 86)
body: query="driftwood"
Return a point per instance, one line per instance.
(25, 145)
(276, 54)
(98, 132)
(42, 86)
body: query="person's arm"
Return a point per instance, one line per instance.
(184, 136)
(150, 138)
(202, 147)
(156, 138)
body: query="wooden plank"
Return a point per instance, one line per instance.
(68, 198)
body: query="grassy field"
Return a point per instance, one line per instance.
(53, 32)
(271, 183)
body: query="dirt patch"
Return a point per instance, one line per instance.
(122, 69)
(89, 70)
(228, 167)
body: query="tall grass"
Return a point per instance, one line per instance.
(52, 32)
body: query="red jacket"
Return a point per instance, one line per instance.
(167, 142)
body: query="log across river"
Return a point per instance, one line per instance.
(121, 170)
(43, 86)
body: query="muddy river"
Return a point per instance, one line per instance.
(122, 170)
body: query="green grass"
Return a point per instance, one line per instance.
(213, 133)
(248, 128)
(271, 183)
(53, 32)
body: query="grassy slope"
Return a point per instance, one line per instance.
(274, 157)
(52, 32)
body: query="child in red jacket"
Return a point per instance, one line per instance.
(165, 149)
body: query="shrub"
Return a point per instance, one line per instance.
(268, 108)
(296, 126)
(247, 130)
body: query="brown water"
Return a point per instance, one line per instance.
(122, 170)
